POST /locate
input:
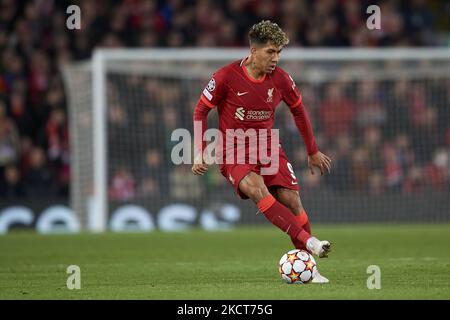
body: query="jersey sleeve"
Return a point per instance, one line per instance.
(214, 90)
(290, 92)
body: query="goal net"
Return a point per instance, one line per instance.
(383, 116)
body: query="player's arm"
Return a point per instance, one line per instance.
(210, 97)
(293, 98)
(315, 157)
(200, 119)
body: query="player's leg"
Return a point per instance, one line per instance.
(286, 185)
(291, 199)
(252, 185)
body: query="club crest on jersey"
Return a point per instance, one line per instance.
(270, 95)
(211, 85)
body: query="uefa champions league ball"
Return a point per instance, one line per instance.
(297, 266)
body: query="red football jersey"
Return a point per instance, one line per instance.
(246, 103)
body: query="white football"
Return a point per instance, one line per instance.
(297, 266)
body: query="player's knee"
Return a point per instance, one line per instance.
(257, 193)
(253, 186)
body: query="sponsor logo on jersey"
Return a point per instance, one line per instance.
(240, 113)
(252, 115)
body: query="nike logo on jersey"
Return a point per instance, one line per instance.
(241, 93)
(293, 182)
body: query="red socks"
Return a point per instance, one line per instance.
(302, 219)
(283, 218)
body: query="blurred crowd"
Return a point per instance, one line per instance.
(383, 136)
(34, 134)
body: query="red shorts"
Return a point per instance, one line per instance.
(284, 177)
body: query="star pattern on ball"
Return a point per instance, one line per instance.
(299, 272)
(309, 265)
(292, 257)
(294, 276)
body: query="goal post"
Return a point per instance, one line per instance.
(100, 199)
(124, 104)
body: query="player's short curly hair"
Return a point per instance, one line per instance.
(267, 31)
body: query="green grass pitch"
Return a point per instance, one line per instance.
(238, 264)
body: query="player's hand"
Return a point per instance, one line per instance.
(199, 168)
(321, 161)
